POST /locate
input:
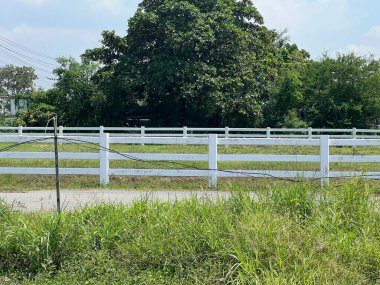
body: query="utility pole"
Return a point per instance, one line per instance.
(57, 182)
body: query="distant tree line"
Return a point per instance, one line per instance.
(208, 63)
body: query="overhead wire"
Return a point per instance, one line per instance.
(44, 63)
(24, 62)
(8, 49)
(8, 41)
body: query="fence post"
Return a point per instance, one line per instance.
(101, 130)
(19, 130)
(354, 131)
(60, 133)
(104, 159)
(212, 160)
(184, 132)
(142, 133)
(268, 133)
(325, 160)
(226, 135)
(310, 133)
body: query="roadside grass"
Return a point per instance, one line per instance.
(286, 234)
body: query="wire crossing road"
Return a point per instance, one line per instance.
(35, 201)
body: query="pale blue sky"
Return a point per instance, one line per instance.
(69, 27)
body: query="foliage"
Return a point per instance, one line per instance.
(76, 99)
(38, 113)
(342, 92)
(16, 80)
(201, 63)
(286, 235)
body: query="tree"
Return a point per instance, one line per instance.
(76, 99)
(342, 92)
(39, 111)
(15, 81)
(284, 107)
(198, 62)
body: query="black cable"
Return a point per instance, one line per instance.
(46, 64)
(8, 41)
(164, 163)
(25, 142)
(76, 141)
(24, 62)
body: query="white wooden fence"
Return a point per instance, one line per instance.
(104, 157)
(225, 132)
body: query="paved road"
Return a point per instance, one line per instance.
(33, 201)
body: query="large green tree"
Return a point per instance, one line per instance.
(195, 62)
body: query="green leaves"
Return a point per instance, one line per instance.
(16, 80)
(191, 62)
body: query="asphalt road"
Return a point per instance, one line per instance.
(35, 201)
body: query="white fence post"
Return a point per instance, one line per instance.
(310, 133)
(226, 134)
(104, 159)
(60, 133)
(354, 131)
(212, 159)
(142, 132)
(184, 132)
(325, 160)
(268, 133)
(101, 130)
(19, 130)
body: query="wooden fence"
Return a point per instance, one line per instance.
(104, 156)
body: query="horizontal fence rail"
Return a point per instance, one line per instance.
(226, 132)
(104, 155)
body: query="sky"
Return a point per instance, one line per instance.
(55, 28)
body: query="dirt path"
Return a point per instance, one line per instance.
(33, 201)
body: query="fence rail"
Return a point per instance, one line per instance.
(104, 156)
(226, 132)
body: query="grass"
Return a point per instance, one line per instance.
(288, 234)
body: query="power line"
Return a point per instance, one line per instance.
(8, 41)
(44, 63)
(23, 61)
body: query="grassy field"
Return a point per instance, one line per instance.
(25, 182)
(289, 234)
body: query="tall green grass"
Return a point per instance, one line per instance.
(295, 234)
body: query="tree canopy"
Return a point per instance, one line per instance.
(15, 81)
(202, 63)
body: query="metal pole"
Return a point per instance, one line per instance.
(57, 182)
